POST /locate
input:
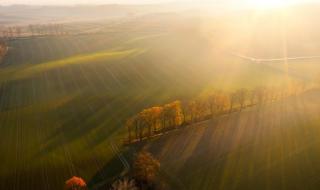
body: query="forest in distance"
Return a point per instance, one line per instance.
(181, 95)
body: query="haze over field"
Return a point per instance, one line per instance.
(159, 95)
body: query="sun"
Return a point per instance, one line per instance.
(269, 4)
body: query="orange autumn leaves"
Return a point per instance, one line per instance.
(160, 119)
(145, 168)
(75, 183)
(152, 120)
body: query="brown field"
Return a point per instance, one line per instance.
(275, 146)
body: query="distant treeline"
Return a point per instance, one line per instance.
(159, 119)
(3, 49)
(32, 30)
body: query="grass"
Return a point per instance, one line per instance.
(63, 98)
(98, 57)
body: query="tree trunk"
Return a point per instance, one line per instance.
(129, 134)
(136, 129)
(149, 130)
(231, 108)
(140, 132)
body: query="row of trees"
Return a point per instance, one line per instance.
(153, 120)
(47, 29)
(156, 120)
(11, 32)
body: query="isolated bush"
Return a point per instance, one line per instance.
(75, 183)
(145, 168)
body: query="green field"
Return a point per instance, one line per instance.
(63, 98)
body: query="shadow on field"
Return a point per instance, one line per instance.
(269, 147)
(106, 175)
(80, 119)
(109, 173)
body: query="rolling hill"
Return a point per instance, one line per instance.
(64, 98)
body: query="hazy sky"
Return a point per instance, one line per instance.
(73, 2)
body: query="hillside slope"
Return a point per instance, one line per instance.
(62, 98)
(275, 146)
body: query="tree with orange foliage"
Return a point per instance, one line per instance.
(171, 115)
(238, 97)
(75, 183)
(146, 120)
(192, 109)
(212, 103)
(200, 109)
(253, 97)
(176, 113)
(260, 93)
(3, 49)
(222, 102)
(149, 118)
(185, 112)
(145, 168)
(141, 124)
(155, 118)
(165, 116)
(129, 125)
(216, 102)
(234, 98)
(242, 97)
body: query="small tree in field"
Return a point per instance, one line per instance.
(75, 183)
(124, 184)
(145, 168)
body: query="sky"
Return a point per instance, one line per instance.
(75, 2)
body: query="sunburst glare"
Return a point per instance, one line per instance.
(270, 4)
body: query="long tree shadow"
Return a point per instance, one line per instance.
(110, 172)
(89, 113)
(80, 119)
